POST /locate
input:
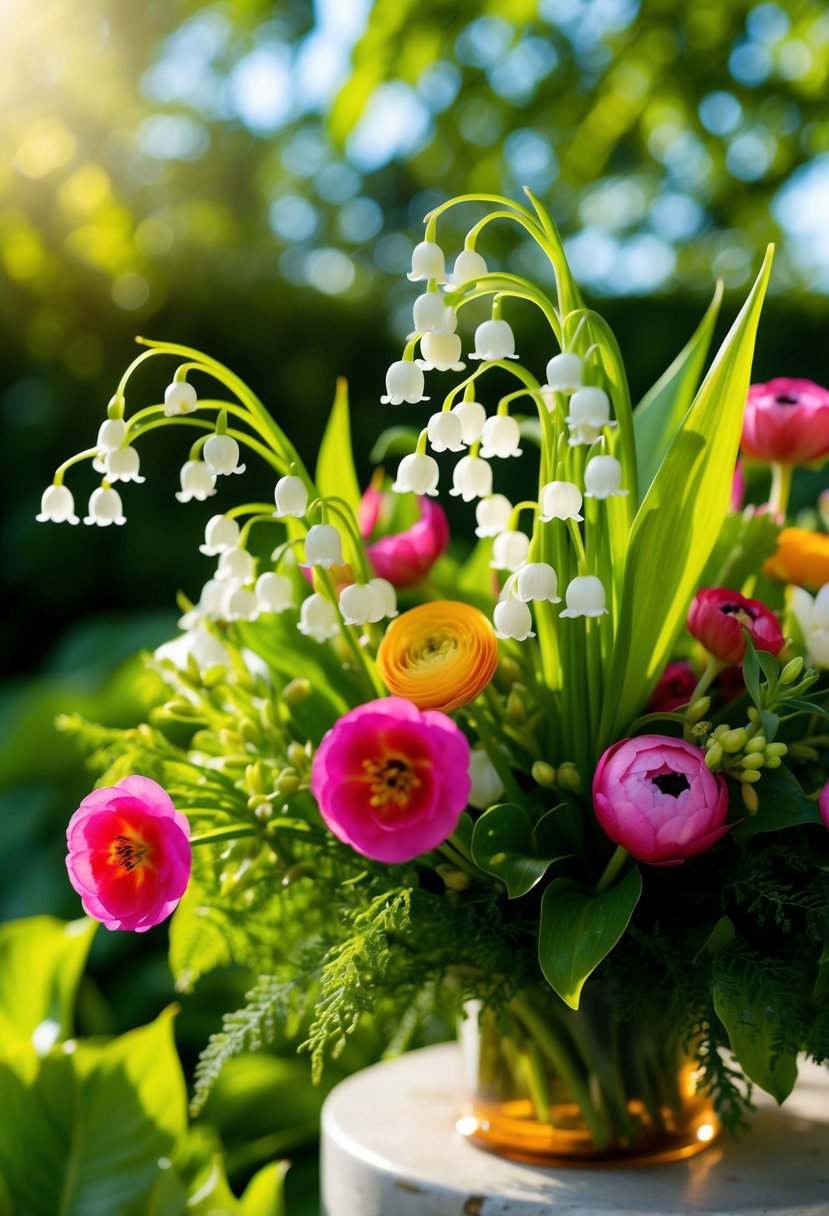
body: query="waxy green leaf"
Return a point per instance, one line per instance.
(335, 474)
(504, 845)
(748, 1012)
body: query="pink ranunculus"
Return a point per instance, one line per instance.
(786, 421)
(655, 797)
(129, 854)
(718, 616)
(673, 688)
(391, 779)
(405, 557)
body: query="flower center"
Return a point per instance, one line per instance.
(392, 781)
(744, 615)
(129, 853)
(785, 399)
(672, 784)
(434, 649)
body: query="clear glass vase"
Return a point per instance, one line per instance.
(552, 1086)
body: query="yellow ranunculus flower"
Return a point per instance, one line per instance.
(438, 655)
(801, 557)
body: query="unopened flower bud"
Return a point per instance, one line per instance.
(734, 740)
(753, 713)
(568, 777)
(713, 756)
(698, 709)
(750, 775)
(756, 744)
(486, 785)
(456, 880)
(516, 710)
(288, 782)
(773, 761)
(543, 773)
(776, 749)
(751, 801)
(297, 755)
(791, 670)
(296, 691)
(753, 760)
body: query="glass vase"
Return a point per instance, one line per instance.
(553, 1086)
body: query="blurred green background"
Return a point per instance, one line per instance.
(249, 178)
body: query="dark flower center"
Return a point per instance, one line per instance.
(129, 853)
(740, 613)
(392, 781)
(785, 399)
(673, 784)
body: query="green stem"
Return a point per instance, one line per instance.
(612, 869)
(781, 484)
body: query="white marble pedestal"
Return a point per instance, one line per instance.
(389, 1148)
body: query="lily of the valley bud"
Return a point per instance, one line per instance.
(427, 263)
(323, 546)
(274, 592)
(105, 508)
(585, 596)
(473, 417)
(237, 565)
(494, 339)
(318, 618)
(432, 315)
(537, 581)
(603, 477)
(560, 500)
(469, 265)
(179, 398)
(404, 383)
(57, 505)
(487, 787)
(500, 437)
(290, 496)
(221, 455)
(472, 478)
(441, 353)
(111, 434)
(589, 414)
(197, 482)
(445, 432)
(492, 515)
(513, 619)
(123, 465)
(510, 550)
(417, 474)
(220, 533)
(564, 373)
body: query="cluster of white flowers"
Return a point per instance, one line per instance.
(812, 616)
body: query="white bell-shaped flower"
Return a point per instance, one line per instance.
(564, 373)
(197, 481)
(432, 315)
(513, 619)
(441, 353)
(290, 496)
(197, 643)
(537, 581)
(318, 618)
(404, 382)
(603, 477)
(323, 546)
(469, 265)
(500, 437)
(445, 432)
(236, 565)
(385, 597)
(510, 551)
(820, 610)
(494, 339)
(560, 500)
(427, 263)
(417, 474)
(473, 416)
(492, 515)
(220, 533)
(179, 398)
(105, 508)
(589, 414)
(242, 604)
(274, 592)
(487, 787)
(357, 604)
(818, 647)
(211, 604)
(111, 434)
(123, 465)
(585, 597)
(472, 478)
(57, 505)
(221, 455)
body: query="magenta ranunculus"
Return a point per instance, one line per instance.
(404, 557)
(391, 780)
(129, 854)
(718, 617)
(786, 421)
(655, 797)
(673, 688)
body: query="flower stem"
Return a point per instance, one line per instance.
(612, 869)
(781, 484)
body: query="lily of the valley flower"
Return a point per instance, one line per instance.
(274, 592)
(197, 643)
(432, 315)
(111, 434)
(492, 515)
(500, 437)
(57, 505)
(494, 339)
(221, 455)
(472, 478)
(179, 398)
(589, 414)
(445, 432)
(211, 605)
(404, 383)
(536, 581)
(291, 497)
(564, 373)
(237, 565)
(386, 595)
(603, 478)
(417, 474)
(242, 604)
(469, 265)
(197, 482)
(487, 786)
(560, 500)
(220, 533)
(123, 465)
(585, 596)
(358, 606)
(427, 263)
(812, 616)
(441, 353)
(105, 508)
(318, 618)
(513, 619)
(323, 546)
(509, 552)
(473, 416)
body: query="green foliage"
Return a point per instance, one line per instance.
(335, 475)
(506, 844)
(41, 961)
(752, 1004)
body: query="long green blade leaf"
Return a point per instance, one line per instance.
(335, 465)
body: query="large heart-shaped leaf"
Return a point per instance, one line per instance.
(751, 1014)
(504, 845)
(783, 804)
(41, 960)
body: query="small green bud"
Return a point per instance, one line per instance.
(721, 730)
(298, 756)
(757, 744)
(568, 777)
(734, 740)
(750, 775)
(507, 673)
(802, 751)
(776, 749)
(753, 760)
(773, 761)
(296, 692)
(792, 670)
(753, 713)
(714, 755)
(698, 709)
(255, 777)
(288, 781)
(250, 732)
(456, 880)
(213, 676)
(751, 799)
(516, 710)
(543, 773)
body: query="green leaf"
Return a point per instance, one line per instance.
(393, 441)
(41, 961)
(783, 804)
(265, 1193)
(6, 1208)
(749, 1014)
(720, 936)
(212, 1195)
(659, 414)
(678, 522)
(579, 928)
(197, 942)
(504, 845)
(335, 474)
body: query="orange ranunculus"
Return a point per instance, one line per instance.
(438, 655)
(801, 557)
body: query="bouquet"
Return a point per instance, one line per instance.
(583, 761)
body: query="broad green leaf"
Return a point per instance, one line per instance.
(720, 936)
(6, 1208)
(504, 845)
(658, 415)
(335, 464)
(41, 961)
(168, 1197)
(265, 1193)
(212, 1195)
(83, 1137)
(782, 805)
(579, 928)
(678, 523)
(742, 546)
(747, 1011)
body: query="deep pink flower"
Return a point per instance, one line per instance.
(129, 854)
(673, 688)
(391, 779)
(823, 803)
(404, 557)
(786, 421)
(717, 618)
(654, 796)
